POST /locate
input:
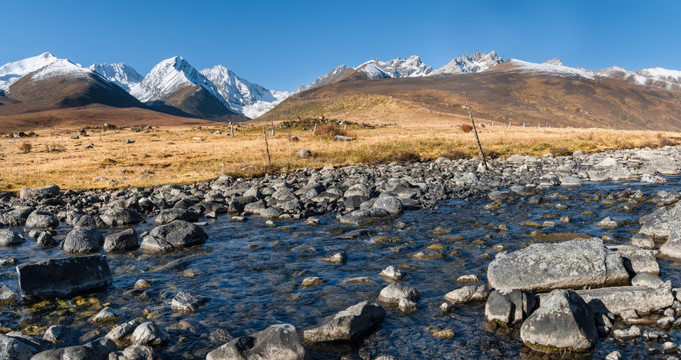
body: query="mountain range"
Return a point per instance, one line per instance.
(175, 87)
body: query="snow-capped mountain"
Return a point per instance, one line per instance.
(13, 71)
(470, 63)
(329, 78)
(646, 77)
(243, 96)
(169, 76)
(396, 68)
(120, 74)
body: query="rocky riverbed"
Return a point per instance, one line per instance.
(379, 247)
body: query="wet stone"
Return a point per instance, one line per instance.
(149, 333)
(185, 302)
(392, 294)
(391, 273)
(10, 238)
(466, 294)
(7, 296)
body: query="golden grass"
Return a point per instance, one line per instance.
(174, 156)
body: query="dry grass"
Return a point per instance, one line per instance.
(174, 155)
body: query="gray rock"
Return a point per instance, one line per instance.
(44, 191)
(7, 296)
(184, 302)
(57, 333)
(91, 222)
(364, 217)
(388, 203)
(10, 238)
(391, 273)
(643, 241)
(117, 216)
(571, 264)
(466, 294)
(125, 240)
(508, 307)
(647, 280)
(169, 215)
(608, 223)
(271, 213)
(176, 235)
(134, 352)
(638, 260)
(46, 240)
(615, 355)
(304, 153)
(83, 241)
(41, 220)
(63, 277)
(347, 325)
(672, 248)
(392, 294)
(660, 223)
(16, 348)
(122, 330)
(277, 342)
(628, 334)
(149, 334)
(571, 181)
(105, 315)
(95, 350)
(407, 306)
(563, 322)
(502, 197)
(618, 299)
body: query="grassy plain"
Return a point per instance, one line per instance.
(182, 155)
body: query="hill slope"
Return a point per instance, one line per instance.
(514, 91)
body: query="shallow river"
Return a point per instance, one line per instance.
(251, 276)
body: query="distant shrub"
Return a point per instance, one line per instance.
(492, 154)
(466, 128)
(665, 141)
(560, 151)
(455, 155)
(25, 148)
(406, 157)
(329, 131)
(54, 148)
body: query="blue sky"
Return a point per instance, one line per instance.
(283, 44)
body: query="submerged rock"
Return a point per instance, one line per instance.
(392, 294)
(563, 322)
(63, 277)
(567, 265)
(348, 324)
(176, 235)
(364, 217)
(280, 342)
(83, 241)
(466, 294)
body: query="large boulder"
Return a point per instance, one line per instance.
(391, 204)
(95, 350)
(63, 277)
(83, 241)
(176, 235)
(125, 240)
(41, 220)
(18, 348)
(169, 215)
(44, 191)
(348, 324)
(118, 216)
(617, 299)
(508, 307)
(660, 223)
(148, 333)
(134, 352)
(277, 342)
(10, 238)
(467, 293)
(672, 248)
(563, 322)
(568, 265)
(364, 217)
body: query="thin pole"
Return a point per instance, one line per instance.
(267, 147)
(477, 138)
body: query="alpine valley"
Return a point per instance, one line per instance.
(47, 91)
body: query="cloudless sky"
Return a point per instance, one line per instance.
(283, 44)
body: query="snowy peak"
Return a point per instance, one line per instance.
(470, 63)
(554, 61)
(329, 78)
(243, 96)
(169, 76)
(552, 68)
(396, 68)
(61, 67)
(13, 71)
(120, 74)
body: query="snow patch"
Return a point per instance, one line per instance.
(13, 71)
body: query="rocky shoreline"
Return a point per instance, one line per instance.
(361, 195)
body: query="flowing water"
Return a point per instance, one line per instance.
(251, 276)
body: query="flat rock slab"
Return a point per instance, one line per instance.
(63, 277)
(617, 299)
(45, 191)
(364, 217)
(348, 324)
(638, 260)
(568, 265)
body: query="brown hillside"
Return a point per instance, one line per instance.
(502, 94)
(195, 101)
(93, 115)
